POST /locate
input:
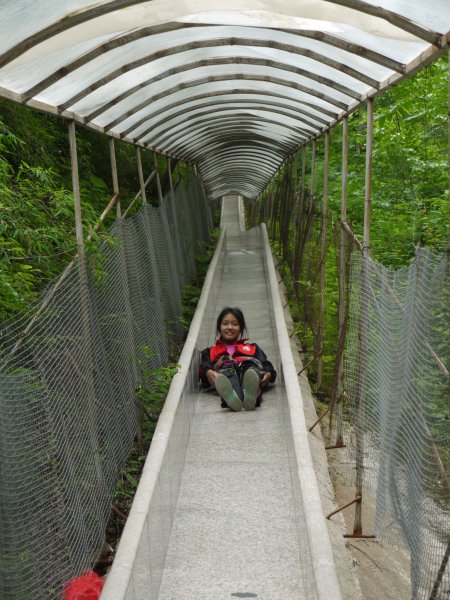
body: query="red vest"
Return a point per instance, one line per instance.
(242, 352)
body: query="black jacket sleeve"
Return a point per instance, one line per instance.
(267, 365)
(205, 366)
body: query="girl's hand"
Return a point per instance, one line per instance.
(211, 376)
(266, 376)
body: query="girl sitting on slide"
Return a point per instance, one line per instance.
(239, 370)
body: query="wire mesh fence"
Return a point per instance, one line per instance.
(68, 411)
(398, 399)
(396, 346)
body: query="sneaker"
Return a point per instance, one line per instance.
(227, 393)
(250, 383)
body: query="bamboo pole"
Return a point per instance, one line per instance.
(339, 442)
(302, 185)
(115, 178)
(141, 174)
(76, 191)
(448, 152)
(298, 224)
(362, 332)
(138, 195)
(86, 340)
(445, 558)
(351, 234)
(169, 168)
(310, 211)
(368, 179)
(323, 249)
(158, 179)
(123, 257)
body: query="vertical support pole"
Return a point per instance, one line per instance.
(362, 331)
(342, 279)
(448, 152)
(169, 168)
(308, 241)
(446, 557)
(76, 192)
(128, 310)
(141, 174)
(115, 178)
(158, 180)
(368, 181)
(323, 249)
(85, 325)
(313, 173)
(302, 185)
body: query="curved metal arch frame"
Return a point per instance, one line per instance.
(198, 122)
(246, 129)
(231, 93)
(129, 38)
(82, 16)
(237, 145)
(227, 133)
(213, 107)
(224, 170)
(230, 77)
(237, 152)
(199, 134)
(243, 61)
(222, 78)
(260, 157)
(227, 99)
(165, 125)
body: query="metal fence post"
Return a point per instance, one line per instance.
(323, 250)
(141, 175)
(84, 304)
(362, 329)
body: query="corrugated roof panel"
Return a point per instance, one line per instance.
(250, 82)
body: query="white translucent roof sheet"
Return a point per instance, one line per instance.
(235, 90)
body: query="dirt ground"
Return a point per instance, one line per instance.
(368, 569)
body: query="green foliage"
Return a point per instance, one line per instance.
(151, 395)
(37, 229)
(409, 199)
(191, 292)
(156, 381)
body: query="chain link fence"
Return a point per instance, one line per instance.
(396, 345)
(396, 371)
(68, 376)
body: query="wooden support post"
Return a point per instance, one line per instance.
(84, 305)
(123, 256)
(308, 250)
(302, 185)
(169, 168)
(115, 178)
(362, 331)
(313, 174)
(141, 175)
(323, 250)
(368, 180)
(339, 442)
(448, 153)
(158, 179)
(76, 192)
(443, 474)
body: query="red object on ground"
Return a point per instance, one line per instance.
(85, 587)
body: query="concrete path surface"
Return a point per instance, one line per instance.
(234, 533)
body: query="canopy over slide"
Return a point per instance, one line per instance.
(234, 90)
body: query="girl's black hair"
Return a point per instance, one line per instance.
(236, 312)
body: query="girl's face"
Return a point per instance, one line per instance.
(230, 329)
